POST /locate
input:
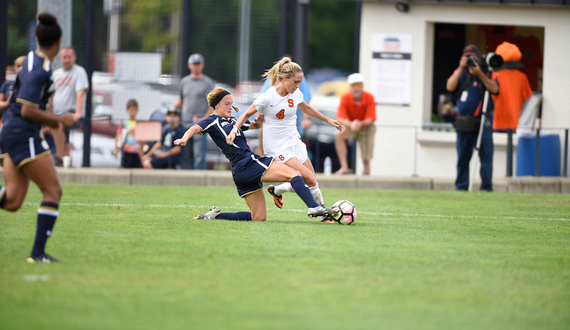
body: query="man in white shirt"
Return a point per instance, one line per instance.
(71, 85)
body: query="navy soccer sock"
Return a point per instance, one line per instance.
(235, 216)
(303, 191)
(47, 213)
(3, 197)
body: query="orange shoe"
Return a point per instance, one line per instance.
(277, 199)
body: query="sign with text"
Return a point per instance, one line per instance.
(391, 79)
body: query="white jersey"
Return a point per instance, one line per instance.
(67, 84)
(280, 127)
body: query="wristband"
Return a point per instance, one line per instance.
(234, 130)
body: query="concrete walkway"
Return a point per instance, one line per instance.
(551, 185)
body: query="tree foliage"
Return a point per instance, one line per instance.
(331, 34)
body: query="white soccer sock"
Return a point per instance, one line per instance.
(317, 195)
(284, 187)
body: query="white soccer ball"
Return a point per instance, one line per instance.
(346, 212)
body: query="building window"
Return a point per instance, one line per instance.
(450, 39)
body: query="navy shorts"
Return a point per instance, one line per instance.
(248, 177)
(162, 163)
(24, 150)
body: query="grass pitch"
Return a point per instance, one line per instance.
(135, 259)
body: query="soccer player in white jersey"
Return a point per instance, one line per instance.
(281, 140)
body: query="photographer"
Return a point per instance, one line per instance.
(470, 81)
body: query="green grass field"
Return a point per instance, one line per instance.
(135, 259)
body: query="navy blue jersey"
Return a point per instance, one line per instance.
(472, 102)
(34, 87)
(168, 137)
(218, 128)
(5, 88)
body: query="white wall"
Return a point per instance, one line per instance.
(404, 151)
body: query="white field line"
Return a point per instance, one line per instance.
(387, 214)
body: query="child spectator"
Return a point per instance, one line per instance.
(7, 86)
(126, 136)
(169, 155)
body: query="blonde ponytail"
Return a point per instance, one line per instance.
(284, 68)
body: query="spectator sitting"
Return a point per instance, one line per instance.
(126, 136)
(357, 113)
(169, 155)
(6, 88)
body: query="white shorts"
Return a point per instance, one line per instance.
(298, 150)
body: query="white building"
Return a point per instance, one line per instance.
(403, 147)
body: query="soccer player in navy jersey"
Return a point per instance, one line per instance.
(248, 169)
(24, 153)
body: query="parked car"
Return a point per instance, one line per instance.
(102, 148)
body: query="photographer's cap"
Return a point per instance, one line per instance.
(196, 59)
(355, 78)
(471, 50)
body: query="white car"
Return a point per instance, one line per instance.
(102, 148)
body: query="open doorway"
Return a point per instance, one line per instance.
(450, 39)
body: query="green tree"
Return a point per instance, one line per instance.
(146, 26)
(331, 34)
(20, 15)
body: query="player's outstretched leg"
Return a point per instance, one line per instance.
(216, 213)
(42, 172)
(47, 214)
(303, 191)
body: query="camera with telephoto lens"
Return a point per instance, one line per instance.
(491, 60)
(471, 60)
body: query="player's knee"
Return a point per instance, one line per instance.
(54, 192)
(258, 218)
(259, 215)
(292, 173)
(310, 179)
(12, 206)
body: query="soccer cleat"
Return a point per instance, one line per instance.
(44, 258)
(277, 199)
(211, 214)
(320, 210)
(327, 218)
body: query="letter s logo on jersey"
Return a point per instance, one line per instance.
(291, 104)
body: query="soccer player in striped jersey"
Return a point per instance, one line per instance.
(281, 140)
(25, 154)
(248, 169)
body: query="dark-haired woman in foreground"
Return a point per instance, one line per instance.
(25, 154)
(248, 169)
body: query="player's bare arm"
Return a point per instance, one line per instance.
(31, 113)
(315, 113)
(239, 123)
(187, 135)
